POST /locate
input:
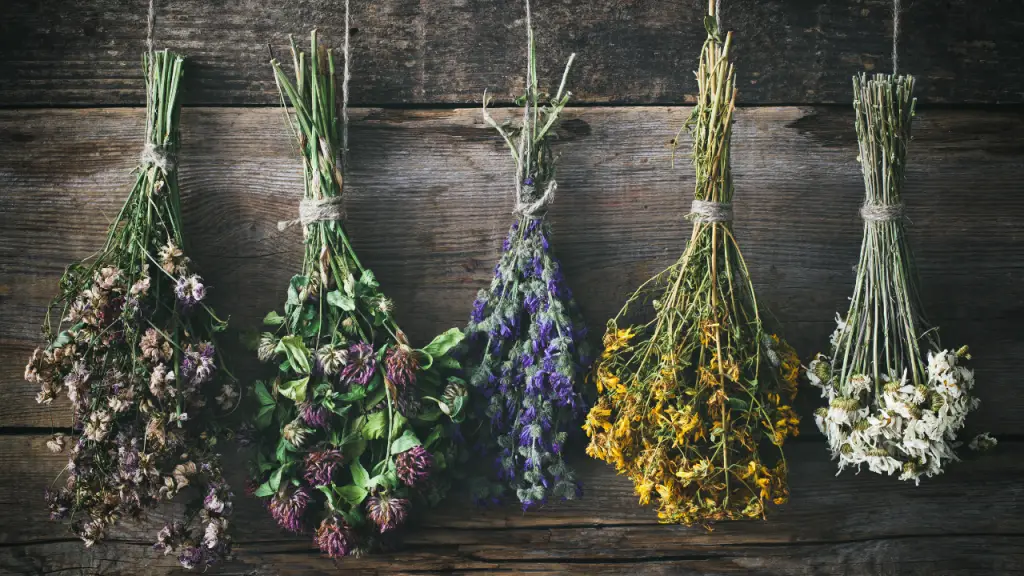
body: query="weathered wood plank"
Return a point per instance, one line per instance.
(429, 202)
(968, 521)
(87, 52)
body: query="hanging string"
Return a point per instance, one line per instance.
(149, 29)
(895, 36)
(344, 94)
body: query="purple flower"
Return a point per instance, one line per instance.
(386, 512)
(532, 303)
(190, 291)
(191, 557)
(479, 307)
(197, 366)
(335, 537)
(400, 366)
(322, 466)
(218, 499)
(413, 466)
(316, 415)
(59, 503)
(361, 364)
(288, 509)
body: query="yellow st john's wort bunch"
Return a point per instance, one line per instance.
(694, 394)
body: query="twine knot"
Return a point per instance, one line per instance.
(315, 210)
(881, 212)
(153, 155)
(703, 211)
(538, 207)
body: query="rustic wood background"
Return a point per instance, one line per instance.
(430, 200)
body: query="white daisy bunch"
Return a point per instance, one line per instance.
(892, 425)
(896, 398)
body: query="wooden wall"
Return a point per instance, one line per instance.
(430, 199)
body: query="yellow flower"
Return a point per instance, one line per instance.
(616, 339)
(597, 419)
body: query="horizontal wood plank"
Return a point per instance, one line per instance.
(969, 521)
(429, 201)
(87, 52)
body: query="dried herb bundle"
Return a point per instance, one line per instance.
(890, 408)
(357, 427)
(689, 398)
(527, 347)
(134, 351)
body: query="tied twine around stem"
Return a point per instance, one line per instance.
(881, 212)
(705, 211)
(538, 207)
(154, 155)
(315, 210)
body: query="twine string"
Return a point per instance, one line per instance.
(150, 22)
(154, 155)
(896, 8)
(706, 211)
(346, 50)
(881, 212)
(315, 210)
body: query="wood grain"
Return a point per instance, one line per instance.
(429, 202)
(87, 52)
(968, 521)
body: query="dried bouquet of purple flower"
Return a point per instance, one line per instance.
(526, 348)
(134, 351)
(357, 427)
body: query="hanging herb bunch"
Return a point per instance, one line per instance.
(358, 427)
(691, 400)
(891, 407)
(527, 348)
(134, 351)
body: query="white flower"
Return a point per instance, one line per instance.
(860, 383)
(838, 333)
(982, 442)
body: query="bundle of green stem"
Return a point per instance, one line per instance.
(134, 351)
(356, 424)
(890, 407)
(688, 398)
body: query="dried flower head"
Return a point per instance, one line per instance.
(289, 507)
(386, 513)
(413, 466)
(335, 537)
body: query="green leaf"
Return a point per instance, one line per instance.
(273, 319)
(374, 427)
(264, 490)
(378, 396)
(406, 442)
(264, 396)
(354, 395)
(265, 417)
(435, 435)
(298, 354)
(367, 281)
(448, 363)
(294, 389)
(63, 339)
(275, 479)
(398, 423)
(711, 25)
(338, 300)
(354, 449)
(444, 342)
(297, 283)
(359, 475)
(332, 499)
(353, 495)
